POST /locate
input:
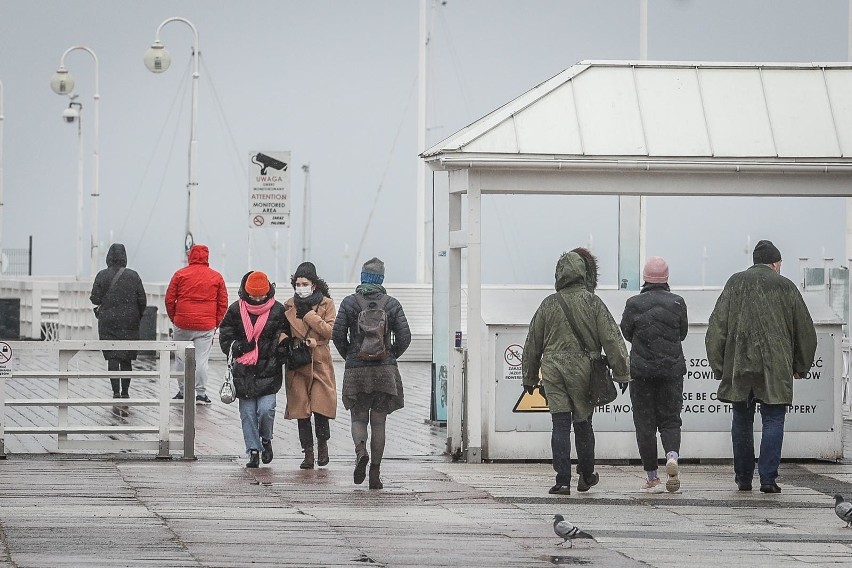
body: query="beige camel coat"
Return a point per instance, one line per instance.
(312, 388)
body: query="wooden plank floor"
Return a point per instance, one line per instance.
(218, 430)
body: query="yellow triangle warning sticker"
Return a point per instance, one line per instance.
(531, 402)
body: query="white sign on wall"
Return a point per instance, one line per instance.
(269, 189)
(812, 409)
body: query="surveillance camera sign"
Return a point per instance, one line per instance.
(269, 189)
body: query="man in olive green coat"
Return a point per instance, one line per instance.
(760, 337)
(553, 348)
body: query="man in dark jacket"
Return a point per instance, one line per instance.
(760, 337)
(119, 299)
(372, 386)
(655, 323)
(196, 301)
(554, 349)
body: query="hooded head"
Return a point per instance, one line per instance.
(591, 262)
(308, 271)
(570, 271)
(373, 271)
(116, 256)
(199, 254)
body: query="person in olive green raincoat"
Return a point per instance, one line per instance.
(552, 348)
(760, 337)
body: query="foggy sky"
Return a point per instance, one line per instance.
(335, 84)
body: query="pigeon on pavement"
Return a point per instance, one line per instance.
(843, 509)
(566, 530)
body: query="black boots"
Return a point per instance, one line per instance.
(361, 460)
(254, 459)
(322, 452)
(375, 480)
(266, 454)
(308, 462)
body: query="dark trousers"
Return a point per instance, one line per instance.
(771, 440)
(560, 445)
(306, 434)
(656, 406)
(119, 365)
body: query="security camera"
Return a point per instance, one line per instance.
(265, 162)
(70, 114)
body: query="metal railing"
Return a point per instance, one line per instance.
(13, 366)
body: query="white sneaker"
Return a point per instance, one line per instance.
(673, 470)
(651, 484)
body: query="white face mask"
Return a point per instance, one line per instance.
(304, 291)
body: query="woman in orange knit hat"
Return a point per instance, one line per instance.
(250, 334)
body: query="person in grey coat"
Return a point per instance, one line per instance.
(372, 389)
(655, 323)
(120, 301)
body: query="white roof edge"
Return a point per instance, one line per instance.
(716, 64)
(455, 142)
(459, 139)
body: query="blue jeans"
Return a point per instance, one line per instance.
(258, 418)
(560, 446)
(742, 437)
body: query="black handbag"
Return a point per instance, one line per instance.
(601, 386)
(297, 354)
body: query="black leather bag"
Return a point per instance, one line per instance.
(297, 354)
(601, 386)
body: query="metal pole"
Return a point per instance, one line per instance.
(306, 216)
(189, 403)
(95, 239)
(192, 184)
(1, 185)
(420, 222)
(79, 256)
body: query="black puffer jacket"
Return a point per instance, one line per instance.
(345, 330)
(265, 376)
(655, 323)
(121, 305)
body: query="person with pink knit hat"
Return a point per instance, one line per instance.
(655, 323)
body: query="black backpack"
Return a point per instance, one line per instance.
(372, 329)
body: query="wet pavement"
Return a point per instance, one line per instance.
(133, 510)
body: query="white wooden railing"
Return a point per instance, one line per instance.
(20, 361)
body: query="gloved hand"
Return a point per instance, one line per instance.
(302, 310)
(241, 346)
(623, 387)
(529, 388)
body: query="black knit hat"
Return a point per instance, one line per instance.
(765, 253)
(309, 271)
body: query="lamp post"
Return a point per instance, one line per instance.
(62, 83)
(157, 60)
(2, 261)
(71, 115)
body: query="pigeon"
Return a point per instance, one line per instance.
(843, 509)
(566, 530)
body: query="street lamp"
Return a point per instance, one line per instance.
(62, 83)
(157, 60)
(71, 115)
(2, 261)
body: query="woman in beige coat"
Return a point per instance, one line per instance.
(311, 389)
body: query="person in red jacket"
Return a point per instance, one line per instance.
(196, 301)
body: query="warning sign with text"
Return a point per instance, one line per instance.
(269, 189)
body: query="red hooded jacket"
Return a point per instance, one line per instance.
(197, 298)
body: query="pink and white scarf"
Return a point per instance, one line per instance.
(253, 331)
